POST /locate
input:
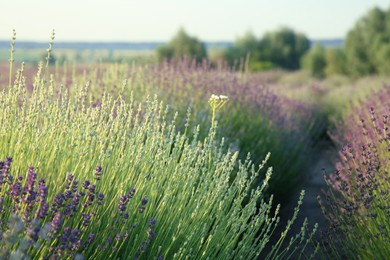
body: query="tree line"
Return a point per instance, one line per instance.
(366, 49)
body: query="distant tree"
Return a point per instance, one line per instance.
(284, 48)
(367, 44)
(314, 61)
(244, 47)
(335, 61)
(52, 59)
(182, 45)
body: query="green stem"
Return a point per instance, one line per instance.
(11, 60)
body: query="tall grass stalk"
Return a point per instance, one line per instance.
(11, 59)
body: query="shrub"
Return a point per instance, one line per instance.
(314, 61)
(182, 45)
(359, 192)
(282, 48)
(335, 62)
(367, 44)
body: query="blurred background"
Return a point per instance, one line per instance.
(271, 35)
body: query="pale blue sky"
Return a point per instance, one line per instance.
(158, 20)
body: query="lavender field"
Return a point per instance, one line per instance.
(270, 147)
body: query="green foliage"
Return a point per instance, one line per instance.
(51, 60)
(284, 48)
(315, 61)
(182, 45)
(243, 48)
(335, 62)
(367, 44)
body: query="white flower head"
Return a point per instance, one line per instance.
(223, 97)
(214, 97)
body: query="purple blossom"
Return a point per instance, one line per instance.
(98, 173)
(56, 222)
(91, 238)
(43, 210)
(100, 198)
(131, 193)
(122, 203)
(92, 188)
(152, 223)
(86, 184)
(87, 219)
(69, 180)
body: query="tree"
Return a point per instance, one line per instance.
(283, 48)
(182, 45)
(367, 44)
(243, 48)
(335, 61)
(314, 61)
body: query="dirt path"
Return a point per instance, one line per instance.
(313, 186)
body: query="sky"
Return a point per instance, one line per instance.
(159, 20)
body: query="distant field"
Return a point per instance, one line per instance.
(88, 55)
(108, 51)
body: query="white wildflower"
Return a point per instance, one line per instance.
(214, 97)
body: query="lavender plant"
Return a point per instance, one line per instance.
(258, 120)
(199, 192)
(358, 197)
(68, 226)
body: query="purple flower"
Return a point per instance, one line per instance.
(86, 184)
(98, 173)
(8, 161)
(31, 178)
(56, 222)
(68, 194)
(76, 199)
(43, 210)
(42, 191)
(69, 180)
(100, 198)
(141, 208)
(32, 231)
(92, 188)
(1, 204)
(58, 201)
(91, 238)
(150, 234)
(131, 193)
(122, 203)
(74, 185)
(152, 223)
(87, 219)
(16, 189)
